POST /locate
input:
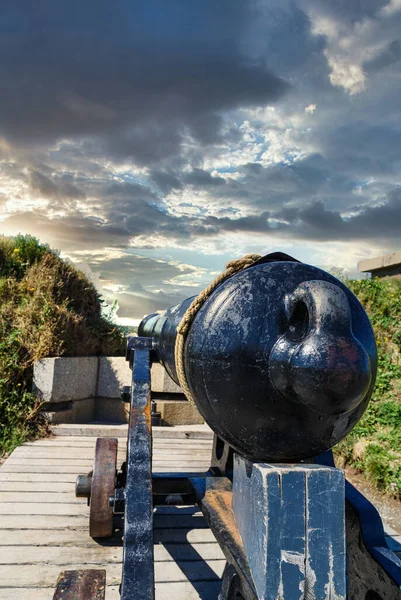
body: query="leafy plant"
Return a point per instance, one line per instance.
(374, 446)
(47, 308)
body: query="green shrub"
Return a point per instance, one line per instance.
(47, 308)
(379, 431)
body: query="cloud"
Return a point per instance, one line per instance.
(154, 143)
(356, 39)
(131, 80)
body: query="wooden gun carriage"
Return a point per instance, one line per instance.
(281, 361)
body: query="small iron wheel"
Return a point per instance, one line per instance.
(103, 486)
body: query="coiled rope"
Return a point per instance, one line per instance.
(232, 267)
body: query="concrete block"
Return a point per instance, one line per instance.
(291, 519)
(380, 262)
(111, 410)
(162, 382)
(62, 379)
(114, 373)
(79, 411)
(178, 412)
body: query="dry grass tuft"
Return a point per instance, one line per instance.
(47, 308)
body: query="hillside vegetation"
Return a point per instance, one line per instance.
(47, 308)
(374, 446)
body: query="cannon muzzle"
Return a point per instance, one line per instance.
(281, 359)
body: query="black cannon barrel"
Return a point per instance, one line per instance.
(281, 359)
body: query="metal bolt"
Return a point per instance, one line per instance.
(125, 394)
(83, 486)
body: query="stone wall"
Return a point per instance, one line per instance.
(87, 389)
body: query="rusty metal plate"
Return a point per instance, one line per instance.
(89, 584)
(103, 485)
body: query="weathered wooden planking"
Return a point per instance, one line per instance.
(59, 555)
(40, 496)
(55, 478)
(81, 442)
(53, 526)
(98, 430)
(34, 575)
(41, 487)
(41, 522)
(79, 537)
(73, 469)
(73, 509)
(35, 452)
(206, 590)
(181, 461)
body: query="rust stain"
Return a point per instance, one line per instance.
(221, 503)
(137, 414)
(81, 585)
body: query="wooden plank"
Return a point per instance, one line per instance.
(80, 537)
(206, 590)
(38, 477)
(46, 575)
(59, 555)
(88, 464)
(47, 522)
(41, 497)
(41, 522)
(118, 431)
(30, 508)
(78, 508)
(88, 453)
(76, 469)
(89, 442)
(37, 486)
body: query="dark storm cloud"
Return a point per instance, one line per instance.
(314, 222)
(68, 233)
(132, 76)
(54, 187)
(387, 57)
(202, 179)
(166, 181)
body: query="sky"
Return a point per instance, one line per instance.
(153, 141)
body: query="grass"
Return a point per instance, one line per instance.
(47, 308)
(374, 446)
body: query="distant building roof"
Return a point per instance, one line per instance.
(387, 264)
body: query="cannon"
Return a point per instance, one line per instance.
(280, 359)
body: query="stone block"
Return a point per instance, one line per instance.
(111, 410)
(79, 411)
(162, 382)
(178, 412)
(291, 519)
(63, 379)
(114, 373)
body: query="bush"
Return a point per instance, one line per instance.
(374, 446)
(47, 308)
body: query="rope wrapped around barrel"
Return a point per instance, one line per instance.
(232, 267)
